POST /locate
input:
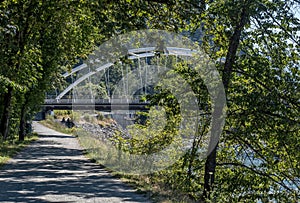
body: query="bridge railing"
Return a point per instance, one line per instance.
(96, 101)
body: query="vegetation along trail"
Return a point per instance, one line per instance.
(53, 169)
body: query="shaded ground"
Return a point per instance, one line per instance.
(53, 169)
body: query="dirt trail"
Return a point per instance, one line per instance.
(53, 169)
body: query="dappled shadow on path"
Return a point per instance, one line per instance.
(53, 170)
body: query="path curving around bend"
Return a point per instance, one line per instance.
(54, 169)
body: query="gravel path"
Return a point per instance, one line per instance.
(53, 169)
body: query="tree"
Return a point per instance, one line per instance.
(38, 40)
(258, 40)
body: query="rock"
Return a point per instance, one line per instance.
(104, 133)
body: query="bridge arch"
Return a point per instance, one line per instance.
(132, 54)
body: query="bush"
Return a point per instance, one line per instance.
(100, 116)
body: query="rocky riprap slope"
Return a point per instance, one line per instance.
(102, 132)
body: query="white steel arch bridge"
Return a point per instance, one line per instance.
(59, 101)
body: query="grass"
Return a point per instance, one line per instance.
(8, 149)
(51, 123)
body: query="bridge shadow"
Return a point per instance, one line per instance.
(47, 171)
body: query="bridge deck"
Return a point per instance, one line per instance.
(100, 106)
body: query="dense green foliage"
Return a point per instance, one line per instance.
(256, 42)
(38, 39)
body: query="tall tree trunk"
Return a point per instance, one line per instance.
(210, 164)
(22, 125)
(4, 126)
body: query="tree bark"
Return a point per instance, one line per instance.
(210, 164)
(22, 125)
(4, 127)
